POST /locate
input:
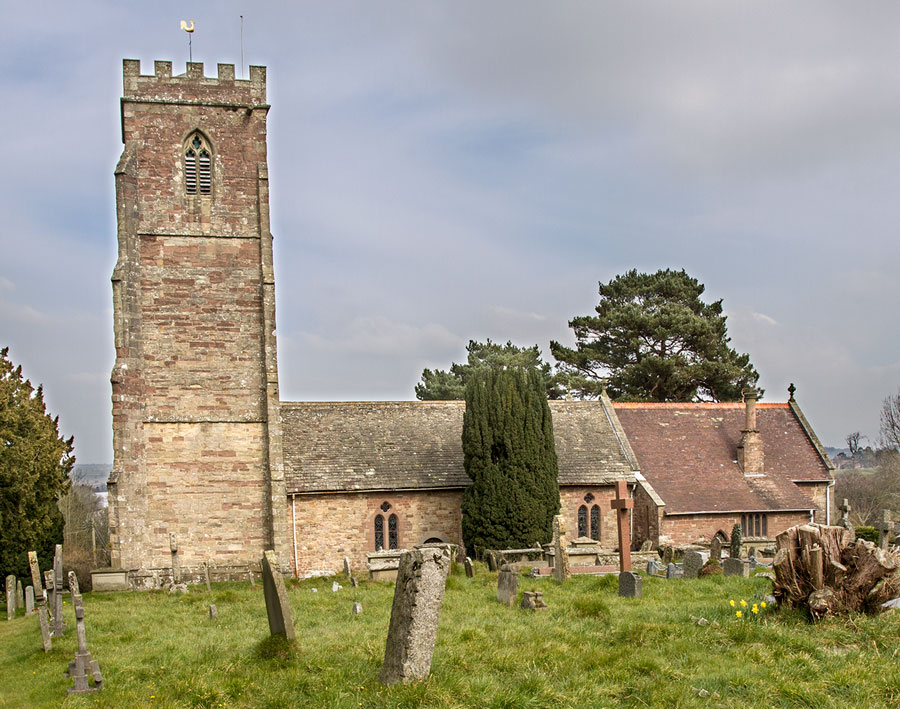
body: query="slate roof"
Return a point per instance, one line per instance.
(408, 445)
(688, 453)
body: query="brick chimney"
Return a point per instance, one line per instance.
(750, 450)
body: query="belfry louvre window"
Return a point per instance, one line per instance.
(197, 166)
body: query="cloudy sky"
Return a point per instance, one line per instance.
(443, 171)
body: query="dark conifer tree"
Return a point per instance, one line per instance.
(509, 454)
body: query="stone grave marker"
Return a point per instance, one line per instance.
(629, 584)
(20, 596)
(173, 548)
(470, 569)
(885, 527)
(561, 549)
(213, 611)
(206, 576)
(735, 567)
(693, 562)
(715, 548)
(10, 597)
(507, 586)
(418, 595)
(58, 626)
(647, 545)
(533, 601)
(281, 622)
(354, 582)
(653, 568)
(335, 587)
(751, 551)
(29, 600)
(491, 560)
(347, 570)
(621, 505)
(84, 662)
(844, 521)
(357, 608)
(668, 554)
(41, 600)
(672, 571)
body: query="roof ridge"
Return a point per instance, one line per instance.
(696, 405)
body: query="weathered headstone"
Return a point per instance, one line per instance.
(357, 608)
(507, 586)
(621, 505)
(629, 584)
(10, 597)
(470, 569)
(491, 560)
(41, 601)
(418, 595)
(751, 551)
(84, 661)
(654, 568)
(213, 611)
(335, 587)
(668, 554)
(533, 601)
(560, 549)
(347, 570)
(73, 583)
(647, 545)
(173, 548)
(20, 595)
(29, 600)
(281, 622)
(58, 626)
(693, 562)
(206, 576)
(844, 521)
(354, 582)
(715, 548)
(671, 571)
(885, 527)
(735, 567)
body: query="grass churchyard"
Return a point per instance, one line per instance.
(704, 642)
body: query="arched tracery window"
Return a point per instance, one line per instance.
(582, 521)
(392, 532)
(595, 522)
(379, 532)
(197, 165)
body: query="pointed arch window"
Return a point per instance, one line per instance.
(595, 523)
(379, 532)
(392, 532)
(582, 521)
(197, 165)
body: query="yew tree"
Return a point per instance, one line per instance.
(35, 462)
(654, 338)
(510, 455)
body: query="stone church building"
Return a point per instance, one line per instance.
(211, 465)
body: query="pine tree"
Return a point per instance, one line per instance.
(510, 455)
(654, 339)
(34, 471)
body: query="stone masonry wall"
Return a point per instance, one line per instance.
(687, 529)
(329, 527)
(195, 385)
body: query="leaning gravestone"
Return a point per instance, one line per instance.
(347, 570)
(470, 570)
(735, 567)
(84, 661)
(20, 597)
(418, 595)
(41, 601)
(629, 584)
(281, 622)
(693, 562)
(29, 600)
(10, 597)
(715, 548)
(507, 586)
(560, 549)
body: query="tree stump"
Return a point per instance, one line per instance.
(826, 571)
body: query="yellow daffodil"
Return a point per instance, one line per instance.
(763, 604)
(755, 609)
(743, 604)
(732, 603)
(738, 614)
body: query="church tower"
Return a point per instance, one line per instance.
(198, 473)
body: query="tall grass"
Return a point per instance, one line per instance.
(590, 648)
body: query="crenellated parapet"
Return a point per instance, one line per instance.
(192, 87)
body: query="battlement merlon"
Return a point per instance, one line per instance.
(192, 87)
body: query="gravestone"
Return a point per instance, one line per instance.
(281, 622)
(629, 584)
(621, 505)
(213, 611)
(507, 586)
(693, 562)
(347, 570)
(844, 521)
(885, 528)
(735, 567)
(561, 549)
(491, 560)
(653, 568)
(10, 597)
(751, 551)
(206, 576)
(84, 661)
(418, 595)
(470, 570)
(715, 548)
(41, 601)
(173, 548)
(354, 582)
(647, 545)
(49, 592)
(20, 596)
(533, 601)
(668, 554)
(29, 600)
(357, 608)
(671, 571)
(58, 626)
(250, 574)
(335, 587)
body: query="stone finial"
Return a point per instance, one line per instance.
(791, 390)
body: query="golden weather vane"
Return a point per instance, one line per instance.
(188, 26)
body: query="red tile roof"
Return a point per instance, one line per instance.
(688, 453)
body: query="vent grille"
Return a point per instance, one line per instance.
(205, 173)
(190, 172)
